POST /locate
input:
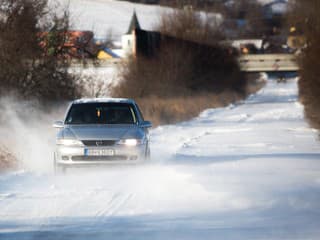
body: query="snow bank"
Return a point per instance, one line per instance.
(26, 131)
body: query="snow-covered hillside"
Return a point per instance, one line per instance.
(105, 16)
(248, 171)
(101, 16)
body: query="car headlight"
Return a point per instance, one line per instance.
(69, 142)
(131, 142)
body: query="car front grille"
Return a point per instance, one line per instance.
(98, 143)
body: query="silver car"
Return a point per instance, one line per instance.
(101, 131)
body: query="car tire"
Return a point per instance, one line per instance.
(148, 153)
(58, 169)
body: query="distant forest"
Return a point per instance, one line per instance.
(178, 2)
(143, 1)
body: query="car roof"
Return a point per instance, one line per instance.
(103, 100)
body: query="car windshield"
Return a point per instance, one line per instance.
(101, 113)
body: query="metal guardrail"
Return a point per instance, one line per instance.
(94, 63)
(269, 63)
(248, 63)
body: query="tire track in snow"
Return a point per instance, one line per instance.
(117, 201)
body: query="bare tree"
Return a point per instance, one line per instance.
(31, 44)
(305, 19)
(189, 24)
(109, 38)
(189, 61)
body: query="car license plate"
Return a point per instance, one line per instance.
(98, 152)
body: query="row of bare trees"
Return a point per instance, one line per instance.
(190, 59)
(30, 40)
(250, 13)
(306, 19)
(188, 69)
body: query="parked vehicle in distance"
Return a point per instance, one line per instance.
(101, 131)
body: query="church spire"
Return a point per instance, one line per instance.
(134, 24)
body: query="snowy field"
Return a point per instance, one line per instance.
(103, 16)
(248, 171)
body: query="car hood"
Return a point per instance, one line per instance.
(101, 132)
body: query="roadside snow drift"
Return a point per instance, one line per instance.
(248, 171)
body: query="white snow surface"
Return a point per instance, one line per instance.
(103, 16)
(247, 171)
(110, 16)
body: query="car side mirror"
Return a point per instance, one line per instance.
(58, 124)
(146, 124)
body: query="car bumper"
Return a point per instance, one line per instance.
(78, 156)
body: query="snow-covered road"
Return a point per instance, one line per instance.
(248, 171)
